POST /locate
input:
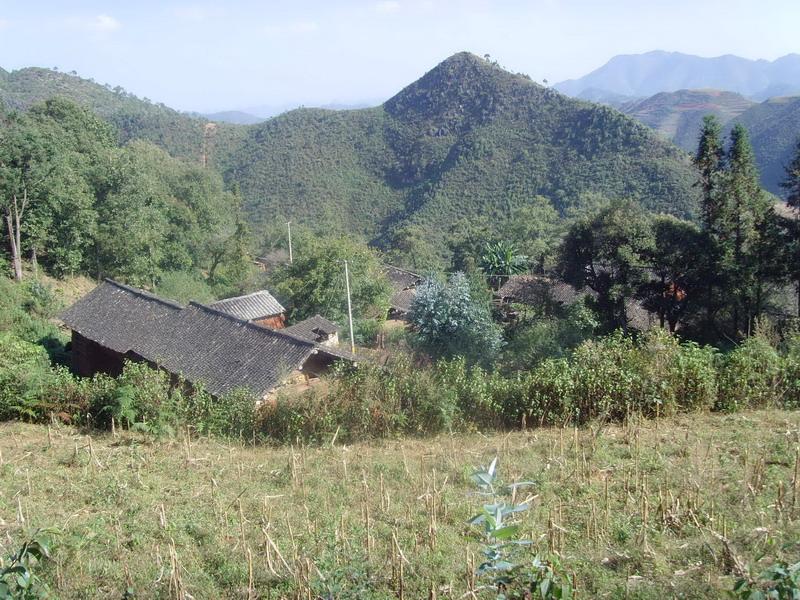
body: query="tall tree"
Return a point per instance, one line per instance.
(743, 232)
(792, 186)
(605, 252)
(679, 265)
(709, 160)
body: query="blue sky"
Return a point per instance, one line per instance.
(209, 56)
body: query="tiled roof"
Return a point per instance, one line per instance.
(257, 305)
(401, 279)
(537, 289)
(201, 344)
(401, 301)
(312, 328)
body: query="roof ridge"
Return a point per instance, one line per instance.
(250, 324)
(401, 269)
(143, 293)
(256, 293)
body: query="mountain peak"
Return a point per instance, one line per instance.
(463, 89)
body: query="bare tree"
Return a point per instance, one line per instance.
(14, 212)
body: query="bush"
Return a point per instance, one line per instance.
(24, 375)
(750, 376)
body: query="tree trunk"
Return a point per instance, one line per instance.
(34, 263)
(16, 259)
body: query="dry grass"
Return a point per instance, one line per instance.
(652, 509)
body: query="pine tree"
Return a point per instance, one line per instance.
(792, 186)
(743, 221)
(708, 160)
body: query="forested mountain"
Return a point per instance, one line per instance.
(679, 115)
(237, 117)
(467, 140)
(774, 128)
(180, 134)
(774, 125)
(643, 75)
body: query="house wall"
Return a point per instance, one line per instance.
(273, 322)
(89, 357)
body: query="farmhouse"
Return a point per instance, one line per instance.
(404, 284)
(200, 344)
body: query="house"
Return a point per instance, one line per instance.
(551, 294)
(199, 344)
(403, 284)
(259, 307)
(316, 329)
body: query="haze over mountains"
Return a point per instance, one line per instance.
(642, 75)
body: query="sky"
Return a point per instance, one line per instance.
(240, 54)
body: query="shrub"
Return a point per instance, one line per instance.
(750, 375)
(24, 375)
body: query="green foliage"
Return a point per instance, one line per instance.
(750, 375)
(504, 563)
(24, 369)
(779, 581)
(314, 283)
(18, 581)
(450, 320)
(603, 252)
(500, 261)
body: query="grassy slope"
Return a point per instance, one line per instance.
(121, 511)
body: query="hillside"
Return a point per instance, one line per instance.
(678, 115)
(774, 128)
(236, 117)
(182, 135)
(467, 139)
(643, 75)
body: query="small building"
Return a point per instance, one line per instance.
(199, 344)
(316, 329)
(259, 307)
(404, 289)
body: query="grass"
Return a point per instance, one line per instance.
(652, 509)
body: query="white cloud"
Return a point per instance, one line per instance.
(387, 6)
(98, 24)
(297, 28)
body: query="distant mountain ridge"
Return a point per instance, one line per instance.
(643, 75)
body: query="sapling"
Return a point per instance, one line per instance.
(506, 565)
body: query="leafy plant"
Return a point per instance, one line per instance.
(17, 579)
(505, 565)
(781, 581)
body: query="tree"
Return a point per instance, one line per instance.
(792, 186)
(743, 229)
(605, 252)
(536, 229)
(709, 160)
(451, 320)
(314, 282)
(678, 262)
(500, 261)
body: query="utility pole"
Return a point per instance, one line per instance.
(349, 307)
(289, 225)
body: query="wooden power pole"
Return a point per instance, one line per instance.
(349, 307)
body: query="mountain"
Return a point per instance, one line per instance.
(678, 115)
(182, 135)
(643, 75)
(237, 117)
(774, 128)
(466, 141)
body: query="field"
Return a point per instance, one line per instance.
(669, 508)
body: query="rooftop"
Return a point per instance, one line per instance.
(200, 343)
(257, 305)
